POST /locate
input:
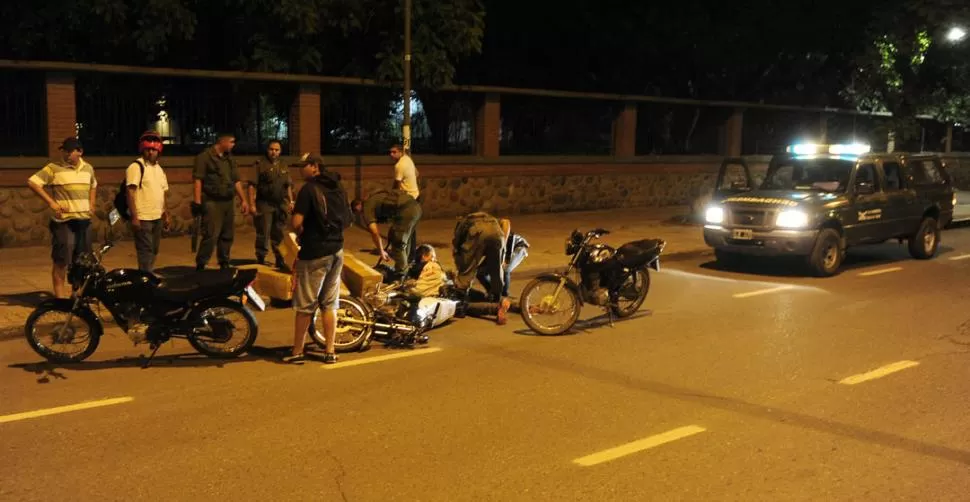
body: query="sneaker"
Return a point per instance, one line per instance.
(503, 312)
(329, 358)
(297, 359)
(199, 268)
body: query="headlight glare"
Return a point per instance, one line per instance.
(714, 215)
(792, 218)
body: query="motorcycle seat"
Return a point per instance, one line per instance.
(197, 285)
(638, 253)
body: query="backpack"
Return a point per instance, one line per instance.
(332, 208)
(121, 198)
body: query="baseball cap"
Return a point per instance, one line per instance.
(70, 144)
(311, 158)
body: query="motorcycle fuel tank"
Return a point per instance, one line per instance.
(130, 285)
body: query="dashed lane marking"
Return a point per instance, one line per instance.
(64, 409)
(878, 372)
(880, 271)
(763, 291)
(638, 445)
(378, 359)
(960, 257)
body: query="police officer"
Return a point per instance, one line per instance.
(478, 247)
(398, 208)
(216, 178)
(271, 198)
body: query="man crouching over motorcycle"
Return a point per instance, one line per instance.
(478, 247)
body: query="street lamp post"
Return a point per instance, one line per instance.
(406, 132)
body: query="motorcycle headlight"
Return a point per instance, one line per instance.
(792, 218)
(715, 215)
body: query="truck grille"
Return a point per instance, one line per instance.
(749, 218)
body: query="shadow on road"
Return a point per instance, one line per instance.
(48, 371)
(855, 259)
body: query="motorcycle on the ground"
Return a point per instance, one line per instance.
(388, 313)
(615, 279)
(206, 308)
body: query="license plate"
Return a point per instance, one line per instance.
(255, 298)
(655, 264)
(742, 233)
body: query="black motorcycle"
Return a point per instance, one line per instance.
(615, 279)
(204, 307)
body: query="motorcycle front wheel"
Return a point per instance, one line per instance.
(352, 325)
(229, 332)
(632, 294)
(51, 335)
(546, 312)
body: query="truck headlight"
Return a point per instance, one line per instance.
(714, 215)
(792, 218)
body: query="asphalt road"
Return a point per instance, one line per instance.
(753, 384)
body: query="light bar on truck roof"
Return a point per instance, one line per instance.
(837, 149)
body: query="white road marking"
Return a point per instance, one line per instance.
(638, 445)
(64, 409)
(763, 291)
(389, 357)
(960, 257)
(878, 372)
(880, 271)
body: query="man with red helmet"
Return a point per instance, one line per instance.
(147, 186)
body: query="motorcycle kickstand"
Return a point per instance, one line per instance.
(154, 347)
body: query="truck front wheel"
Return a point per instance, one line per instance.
(827, 255)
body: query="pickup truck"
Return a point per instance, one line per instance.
(817, 201)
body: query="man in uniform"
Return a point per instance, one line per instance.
(272, 198)
(478, 247)
(216, 178)
(403, 213)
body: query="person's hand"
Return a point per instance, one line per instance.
(59, 209)
(290, 207)
(245, 209)
(293, 277)
(197, 209)
(385, 256)
(166, 221)
(136, 223)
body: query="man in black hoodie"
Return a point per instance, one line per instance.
(320, 216)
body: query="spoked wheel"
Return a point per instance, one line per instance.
(353, 325)
(56, 338)
(230, 330)
(632, 294)
(546, 312)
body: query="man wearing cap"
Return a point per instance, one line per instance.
(147, 185)
(271, 198)
(403, 213)
(216, 177)
(73, 191)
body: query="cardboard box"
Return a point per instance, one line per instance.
(289, 249)
(359, 276)
(272, 283)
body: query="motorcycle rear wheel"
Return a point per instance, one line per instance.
(529, 309)
(80, 319)
(224, 350)
(349, 336)
(642, 284)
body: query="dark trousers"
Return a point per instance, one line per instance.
(147, 241)
(270, 222)
(218, 231)
(518, 254)
(413, 240)
(399, 236)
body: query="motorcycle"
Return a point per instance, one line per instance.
(388, 313)
(200, 307)
(615, 279)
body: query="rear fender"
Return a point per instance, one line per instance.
(555, 276)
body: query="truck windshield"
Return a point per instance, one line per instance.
(819, 174)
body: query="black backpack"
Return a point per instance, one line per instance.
(121, 198)
(332, 208)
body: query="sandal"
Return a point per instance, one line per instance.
(329, 358)
(297, 359)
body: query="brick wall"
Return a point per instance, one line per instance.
(61, 112)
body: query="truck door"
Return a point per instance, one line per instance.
(865, 221)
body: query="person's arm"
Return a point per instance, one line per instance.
(240, 187)
(37, 182)
(398, 175)
(296, 221)
(198, 172)
(93, 193)
(375, 236)
(131, 184)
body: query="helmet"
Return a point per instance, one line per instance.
(150, 140)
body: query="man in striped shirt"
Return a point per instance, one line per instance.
(73, 189)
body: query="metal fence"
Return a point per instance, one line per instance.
(22, 113)
(114, 107)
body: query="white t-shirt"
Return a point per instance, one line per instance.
(150, 198)
(407, 174)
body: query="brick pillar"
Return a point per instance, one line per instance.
(731, 134)
(61, 110)
(488, 126)
(305, 120)
(625, 132)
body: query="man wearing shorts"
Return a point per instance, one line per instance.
(73, 190)
(320, 260)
